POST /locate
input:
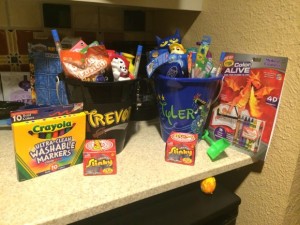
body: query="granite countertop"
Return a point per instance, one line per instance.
(67, 196)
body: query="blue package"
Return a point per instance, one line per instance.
(157, 62)
(181, 59)
(175, 67)
(165, 63)
(44, 68)
(155, 53)
(172, 69)
(171, 65)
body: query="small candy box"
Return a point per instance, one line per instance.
(99, 157)
(181, 147)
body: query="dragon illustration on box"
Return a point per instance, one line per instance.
(250, 93)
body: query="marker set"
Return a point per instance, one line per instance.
(48, 144)
(248, 133)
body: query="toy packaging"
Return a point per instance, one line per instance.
(181, 148)
(94, 63)
(157, 62)
(170, 58)
(47, 145)
(44, 64)
(249, 100)
(15, 86)
(99, 157)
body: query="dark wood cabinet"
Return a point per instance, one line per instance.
(183, 206)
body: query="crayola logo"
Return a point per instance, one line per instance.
(96, 119)
(228, 63)
(51, 127)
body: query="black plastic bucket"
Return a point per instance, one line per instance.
(108, 106)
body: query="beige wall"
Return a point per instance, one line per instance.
(268, 27)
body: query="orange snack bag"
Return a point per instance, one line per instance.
(94, 65)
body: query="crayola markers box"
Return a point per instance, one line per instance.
(99, 157)
(47, 145)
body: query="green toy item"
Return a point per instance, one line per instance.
(216, 147)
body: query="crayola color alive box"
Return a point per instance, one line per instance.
(99, 157)
(247, 107)
(47, 145)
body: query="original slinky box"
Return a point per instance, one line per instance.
(99, 157)
(181, 148)
(43, 146)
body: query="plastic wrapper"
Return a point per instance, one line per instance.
(93, 65)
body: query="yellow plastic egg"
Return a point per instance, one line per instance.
(208, 185)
